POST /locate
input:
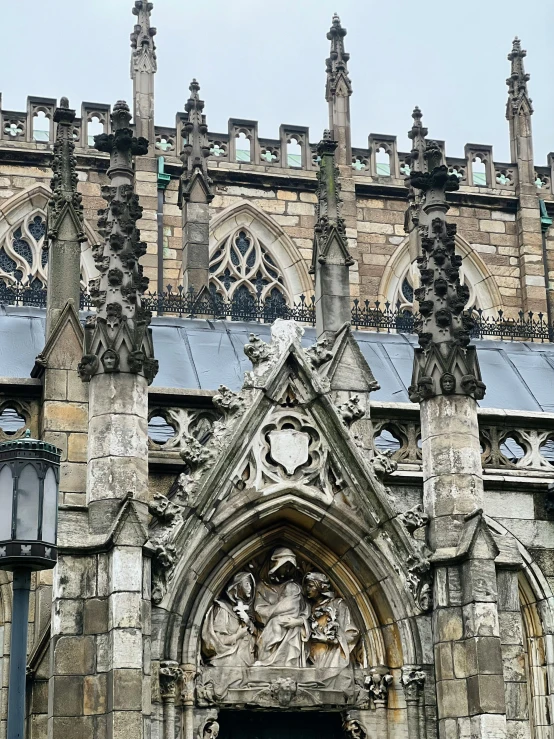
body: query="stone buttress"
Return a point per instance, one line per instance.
(447, 384)
(100, 681)
(195, 195)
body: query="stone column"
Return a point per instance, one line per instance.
(65, 222)
(118, 362)
(331, 259)
(446, 382)
(143, 68)
(170, 674)
(187, 700)
(377, 683)
(413, 680)
(195, 196)
(528, 223)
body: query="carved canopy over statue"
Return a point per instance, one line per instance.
(275, 625)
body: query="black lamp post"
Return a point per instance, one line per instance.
(29, 477)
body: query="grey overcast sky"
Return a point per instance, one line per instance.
(265, 60)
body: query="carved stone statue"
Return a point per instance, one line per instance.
(352, 729)
(228, 633)
(333, 635)
(281, 608)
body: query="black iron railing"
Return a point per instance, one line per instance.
(376, 316)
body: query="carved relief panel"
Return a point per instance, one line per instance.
(279, 634)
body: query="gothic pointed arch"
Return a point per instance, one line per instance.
(250, 251)
(22, 232)
(401, 277)
(282, 520)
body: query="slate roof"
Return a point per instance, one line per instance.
(200, 354)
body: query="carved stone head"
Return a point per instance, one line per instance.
(241, 588)
(353, 729)
(282, 564)
(110, 361)
(317, 584)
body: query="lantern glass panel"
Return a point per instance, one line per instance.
(6, 502)
(27, 504)
(49, 507)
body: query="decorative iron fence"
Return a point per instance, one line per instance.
(376, 316)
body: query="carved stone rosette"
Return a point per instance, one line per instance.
(195, 151)
(118, 338)
(444, 363)
(65, 200)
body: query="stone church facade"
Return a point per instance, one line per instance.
(266, 528)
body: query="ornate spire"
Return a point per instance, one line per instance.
(118, 338)
(331, 259)
(518, 95)
(444, 363)
(417, 135)
(195, 150)
(65, 201)
(143, 58)
(330, 242)
(338, 81)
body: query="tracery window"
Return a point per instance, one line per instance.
(242, 270)
(22, 258)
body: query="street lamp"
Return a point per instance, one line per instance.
(29, 477)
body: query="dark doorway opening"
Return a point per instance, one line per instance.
(279, 725)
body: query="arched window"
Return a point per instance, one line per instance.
(22, 258)
(242, 270)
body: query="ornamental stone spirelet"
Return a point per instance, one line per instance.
(118, 338)
(195, 151)
(65, 200)
(444, 362)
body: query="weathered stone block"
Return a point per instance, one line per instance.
(68, 696)
(125, 690)
(77, 447)
(452, 698)
(55, 384)
(126, 648)
(95, 616)
(76, 727)
(73, 477)
(484, 656)
(126, 569)
(125, 610)
(67, 617)
(74, 655)
(95, 694)
(448, 624)
(480, 619)
(60, 416)
(486, 694)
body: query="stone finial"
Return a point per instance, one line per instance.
(518, 95)
(417, 134)
(143, 58)
(338, 81)
(444, 363)
(195, 151)
(118, 338)
(330, 244)
(65, 202)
